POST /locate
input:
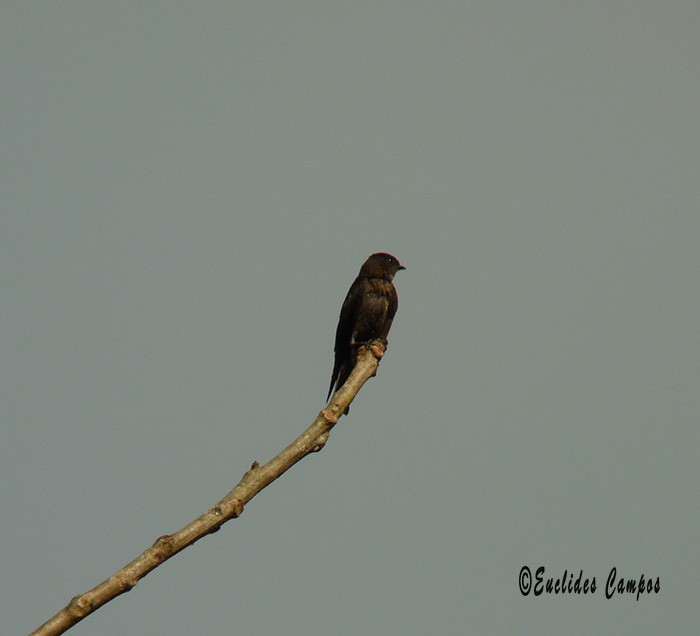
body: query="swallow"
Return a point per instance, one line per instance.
(366, 314)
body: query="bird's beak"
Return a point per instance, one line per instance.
(401, 267)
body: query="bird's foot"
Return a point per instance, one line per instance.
(378, 347)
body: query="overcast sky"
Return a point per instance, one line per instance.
(187, 194)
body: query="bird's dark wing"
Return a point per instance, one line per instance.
(343, 334)
(390, 312)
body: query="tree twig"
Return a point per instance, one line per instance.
(230, 507)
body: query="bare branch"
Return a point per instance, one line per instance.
(231, 506)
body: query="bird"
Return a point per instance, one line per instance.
(366, 314)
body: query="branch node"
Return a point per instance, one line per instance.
(163, 546)
(250, 474)
(80, 606)
(329, 416)
(320, 442)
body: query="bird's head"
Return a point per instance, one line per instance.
(381, 265)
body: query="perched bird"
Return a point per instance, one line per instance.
(366, 314)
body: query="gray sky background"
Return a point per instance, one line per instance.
(187, 194)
